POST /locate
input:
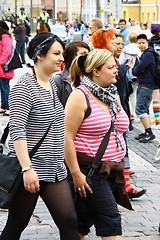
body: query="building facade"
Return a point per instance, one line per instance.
(71, 10)
(141, 10)
(96, 8)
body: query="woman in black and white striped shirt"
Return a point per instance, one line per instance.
(34, 106)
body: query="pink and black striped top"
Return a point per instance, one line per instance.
(93, 129)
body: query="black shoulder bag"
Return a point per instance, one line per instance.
(11, 174)
(13, 61)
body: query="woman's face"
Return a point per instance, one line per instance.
(107, 74)
(82, 51)
(53, 59)
(111, 45)
(119, 44)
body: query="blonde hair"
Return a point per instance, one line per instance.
(94, 60)
(132, 37)
(96, 22)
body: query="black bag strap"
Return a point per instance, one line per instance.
(88, 112)
(102, 147)
(35, 148)
(104, 143)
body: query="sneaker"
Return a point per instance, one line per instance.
(140, 136)
(6, 113)
(155, 126)
(148, 137)
(136, 195)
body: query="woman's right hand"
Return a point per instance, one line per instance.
(31, 181)
(81, 185)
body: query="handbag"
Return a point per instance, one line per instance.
(13, 61)
(11, 174)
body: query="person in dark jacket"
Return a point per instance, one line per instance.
(143, 69)
(155, 43)
(61, 79)
(124, 88)
(107, 39)
(20, 37)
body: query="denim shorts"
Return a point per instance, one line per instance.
(101, 208)
(144, 97)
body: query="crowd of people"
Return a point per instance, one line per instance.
(79, 92)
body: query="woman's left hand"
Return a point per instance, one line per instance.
(31, 181)
(81, 185)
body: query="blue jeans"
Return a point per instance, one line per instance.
(144, 97)
(20, 46)
(5, 89)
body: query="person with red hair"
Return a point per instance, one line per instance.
(106, 39)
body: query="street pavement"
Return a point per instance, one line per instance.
(140, 224)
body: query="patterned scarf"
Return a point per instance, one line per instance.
(108, 95)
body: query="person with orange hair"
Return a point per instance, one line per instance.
(106, 39)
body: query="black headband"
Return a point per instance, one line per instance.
(40, 46)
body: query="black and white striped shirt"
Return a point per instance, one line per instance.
(33, 108)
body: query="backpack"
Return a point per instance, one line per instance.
(28, 29)
(156, 73)
(13, 61)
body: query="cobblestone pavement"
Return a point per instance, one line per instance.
(140, 224)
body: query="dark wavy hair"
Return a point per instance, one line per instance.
(39, 38)
(71, 52)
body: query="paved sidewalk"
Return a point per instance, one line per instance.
(140, 224)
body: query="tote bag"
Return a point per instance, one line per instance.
(10, 178)
(11, 174)
(13, 61)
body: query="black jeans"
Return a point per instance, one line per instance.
(99, 208)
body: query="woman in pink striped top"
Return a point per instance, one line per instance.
(90, 109)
